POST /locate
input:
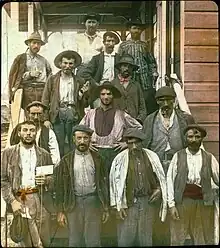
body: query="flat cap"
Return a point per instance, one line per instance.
(93, 16)
(82, 128)
(36, 103)
(134, 133)
(165, 91)
(197, 127)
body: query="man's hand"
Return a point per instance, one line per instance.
(35, 73)
(48, 124)
(155, 195)
(105, 216)
(17, 207)
(174, 213)
(121, 214)
(121, 146)
(61, 219)
(40, 180)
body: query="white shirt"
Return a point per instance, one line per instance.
(53, 146)
(84, 173)
(28, 165)
(194, 163)
(67, 89)
(109, 64)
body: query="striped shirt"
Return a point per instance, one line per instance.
(144, 59)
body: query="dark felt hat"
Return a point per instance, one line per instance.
(95, 16)
(197, 127)
(165, 91)
(36, 103)
(109, 33)
(135, 22)
(82, 128)
(107, 85)
(34, 36)
(69, 53)
(126, 59)
(134, 133)
(18, 228)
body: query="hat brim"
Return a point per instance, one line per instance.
(142, 138)
(116, 93)
(129, 24)
(75, 55)
(93, 17)
(36, 104)
(200, 129)
(26, 41)
(135, 67)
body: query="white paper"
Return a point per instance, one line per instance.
(44, 170)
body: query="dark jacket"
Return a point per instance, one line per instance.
(132, 99)
(16, 72)
(184, 120)
(64, 182)
(51, 96)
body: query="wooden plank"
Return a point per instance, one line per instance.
(213, 147)
(201, 92)
(200, 6)
(201, 20)
(212, 132)
(201, 72)
(201, 54)
(204, 37)
(205, 113)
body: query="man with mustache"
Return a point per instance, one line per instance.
(132, 99)
(137, 181)
(64, 97)
(21, 187)
(191, 177)
(164, 135)
(29, 71)
(147, 74)
(81, 186)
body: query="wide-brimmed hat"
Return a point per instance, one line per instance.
(36, 103)
(34, 36)
(92, 15)
(195, 126)
(18, 228)
(109, 33)
(107, 85)
(134, 133)
(82, 128)
(126, 59)
(165, 91)
(69, 53)
(135, 22)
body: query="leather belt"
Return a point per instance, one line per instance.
(27, 84)
(66, 105)
(27, 191)
(90, 194)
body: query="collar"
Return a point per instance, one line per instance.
(82, 153)
(196, 154)
(31, 55)
(109, 55)
(91, 36)
(22, 148)
(100, 108)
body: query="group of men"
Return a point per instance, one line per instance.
(132, 156)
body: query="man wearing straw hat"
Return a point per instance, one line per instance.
(29, 71)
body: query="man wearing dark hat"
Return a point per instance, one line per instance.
(29, 71)
(24, 190)
(191, 199)
(147, 73)
(64, 96)
(132, 99)
(46, 137)
(108, 124)
(81, 186)
(137, 181)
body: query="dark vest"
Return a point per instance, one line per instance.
(182, 174)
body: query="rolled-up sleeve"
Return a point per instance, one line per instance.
(215, 170)
(54, 147)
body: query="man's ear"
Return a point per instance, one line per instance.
(74, 139)
(19, 134)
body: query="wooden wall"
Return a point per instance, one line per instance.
(201, 67)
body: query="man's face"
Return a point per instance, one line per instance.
(109, 43)
(166, 104)
(91, 25)
(67, 65)
(134, 145)
(126, 70)
(36, 114)
(27, 134)
(82, 141)
(194, 139)
(106, 97)
(34, 46)
(135, 31)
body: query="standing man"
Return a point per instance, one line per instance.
(82, 191)
(132, 99)
(137, 180)
(21, 187)
(29, 71)
(147, 73)
(64, 97)
(46, 137)
(191, 174)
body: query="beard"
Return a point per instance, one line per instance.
(82, 148)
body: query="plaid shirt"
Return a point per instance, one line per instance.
(144, 59)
